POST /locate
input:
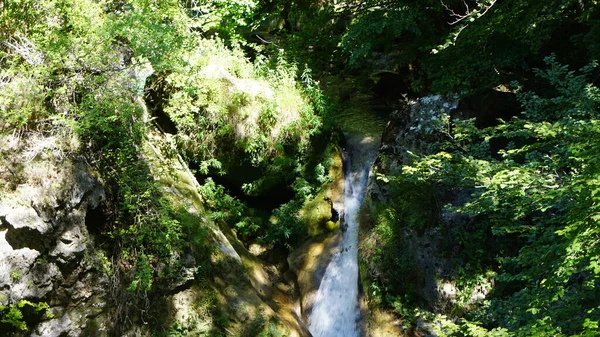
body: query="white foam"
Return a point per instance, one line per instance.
(336, 312)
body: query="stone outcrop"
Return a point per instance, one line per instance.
(309, 263)
(45, 246)
(247, 291)
(412, 129)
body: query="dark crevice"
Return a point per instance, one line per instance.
(42, 214)
(487, 107)
(68, 268)
(66, 241)
(25, 237)
(184, 286)
(389, 88)
(156, 96)
(3, 223)
(96, 220)
(86, 195)
(268, 201)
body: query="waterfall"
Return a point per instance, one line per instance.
(336, 311)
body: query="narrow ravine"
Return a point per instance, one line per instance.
(336, 311)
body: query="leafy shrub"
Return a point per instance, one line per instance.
(391, 265)
(220, 98)
(12, 314)
(285, 228)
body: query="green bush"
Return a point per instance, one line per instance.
(221, 98)
(13, 315)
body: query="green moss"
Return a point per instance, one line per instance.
(15, 315)
(92, 329)
(15, 275)
(316, 213)
(330, 225)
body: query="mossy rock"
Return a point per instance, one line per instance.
(331, 226)
(317, 212)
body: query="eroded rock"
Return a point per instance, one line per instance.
(43, 235)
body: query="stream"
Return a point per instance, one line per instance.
(336, 312)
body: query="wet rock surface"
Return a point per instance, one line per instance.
(309, 263)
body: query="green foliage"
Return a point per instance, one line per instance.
(157, 31)
(261, 327)
(13, 315)
(285, 228)
(395, 277)
(205, 317)
(70, 62)
(228, 210)
(21, 99)
(15, 275)
(145, 226)
(228, 19)
(82, 64)
(308, 32)
(431, 44)
(514, 34)
(247, 116)
(538, 197)
(413, 204)
(435, 40)
(378, 24)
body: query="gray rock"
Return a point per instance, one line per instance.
(72, 241)
(70, 244)
(86, 184)
(43, 240)
(22, 277)
(60, 325)
(26, 217)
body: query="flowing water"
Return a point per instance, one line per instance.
(336, 312)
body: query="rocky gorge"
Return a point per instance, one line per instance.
(299, 168)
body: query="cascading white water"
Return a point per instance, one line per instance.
(336, 312)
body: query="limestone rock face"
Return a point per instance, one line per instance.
(45, 196)
(412, 129)
(309, 262)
